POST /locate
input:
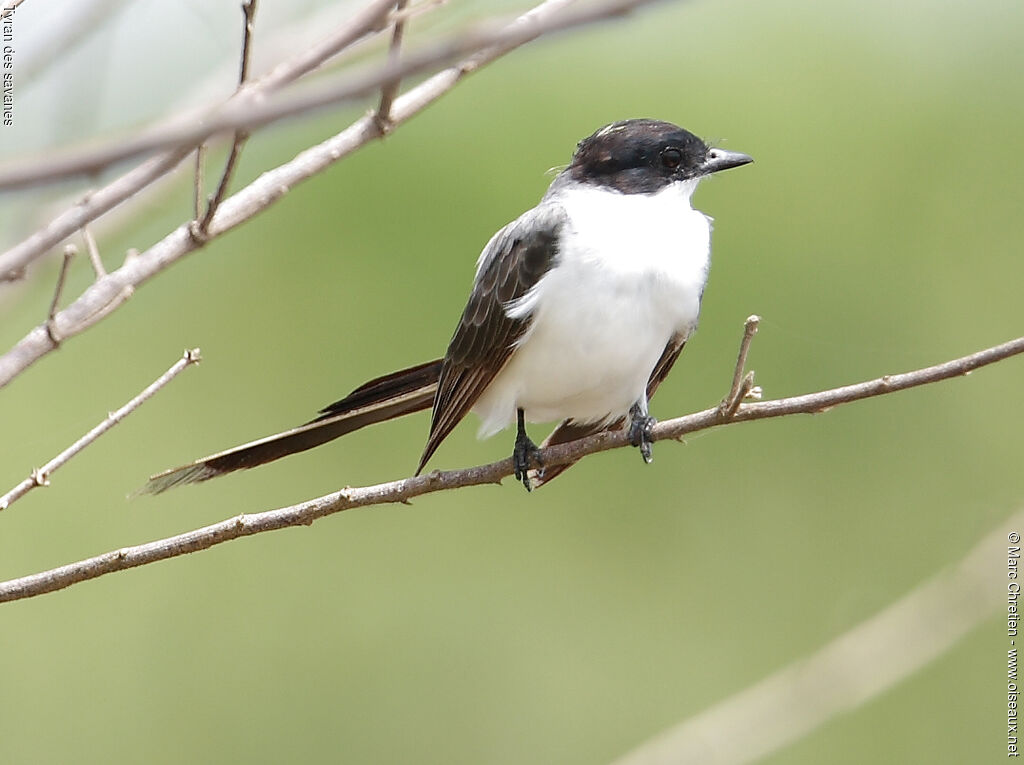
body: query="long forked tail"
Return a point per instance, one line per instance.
(384, 398)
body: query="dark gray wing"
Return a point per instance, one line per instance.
(514, 261)
(665, 363)
(571, 430)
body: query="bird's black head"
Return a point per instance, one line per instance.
(644, 156)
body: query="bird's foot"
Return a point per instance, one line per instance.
(525, 455)
(640, 426)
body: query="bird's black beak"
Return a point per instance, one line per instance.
(720, 159)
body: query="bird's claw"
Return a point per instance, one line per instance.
(640, 428)
(525, 455)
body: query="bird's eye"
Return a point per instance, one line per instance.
(671, 158)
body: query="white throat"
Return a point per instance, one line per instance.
(630, 273)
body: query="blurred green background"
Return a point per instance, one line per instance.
(878, 231)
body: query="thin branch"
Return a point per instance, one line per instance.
(104, 294)
(69, 253)
(41, 476)
(247, 111)
(407, 488)
(94, 253)
(201, 228)
(248, 14)
(13, 261)
(741, 385)
(387, 93)
(373, 18)
(848, 672)
(277, 43)
(197, 181)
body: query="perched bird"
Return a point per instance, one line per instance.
(578, 311)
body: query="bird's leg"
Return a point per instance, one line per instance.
(640, 424)
(525, 453)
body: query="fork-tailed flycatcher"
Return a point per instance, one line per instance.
(578, 311)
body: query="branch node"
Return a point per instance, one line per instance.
(197, 234)
(51, 332)
(39, 477)
(345, 497)
(382, 122)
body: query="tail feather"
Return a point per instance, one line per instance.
(384, 398)
(568, 430)
(396, 384)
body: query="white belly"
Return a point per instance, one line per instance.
(602, 317)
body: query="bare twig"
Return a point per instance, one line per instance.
(244, 111)
(248, 14)
(14, 261)
(405, 489)
(197, 182)
(97, 300)
(373, 18)
(741, 385)
(94, 253)
(852, 669)
(41, 476)
(387, 93)
(93, 205)
(201, 227)
(69, 252)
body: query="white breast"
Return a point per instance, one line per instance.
(630, 275)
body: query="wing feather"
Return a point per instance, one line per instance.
(515, 259)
